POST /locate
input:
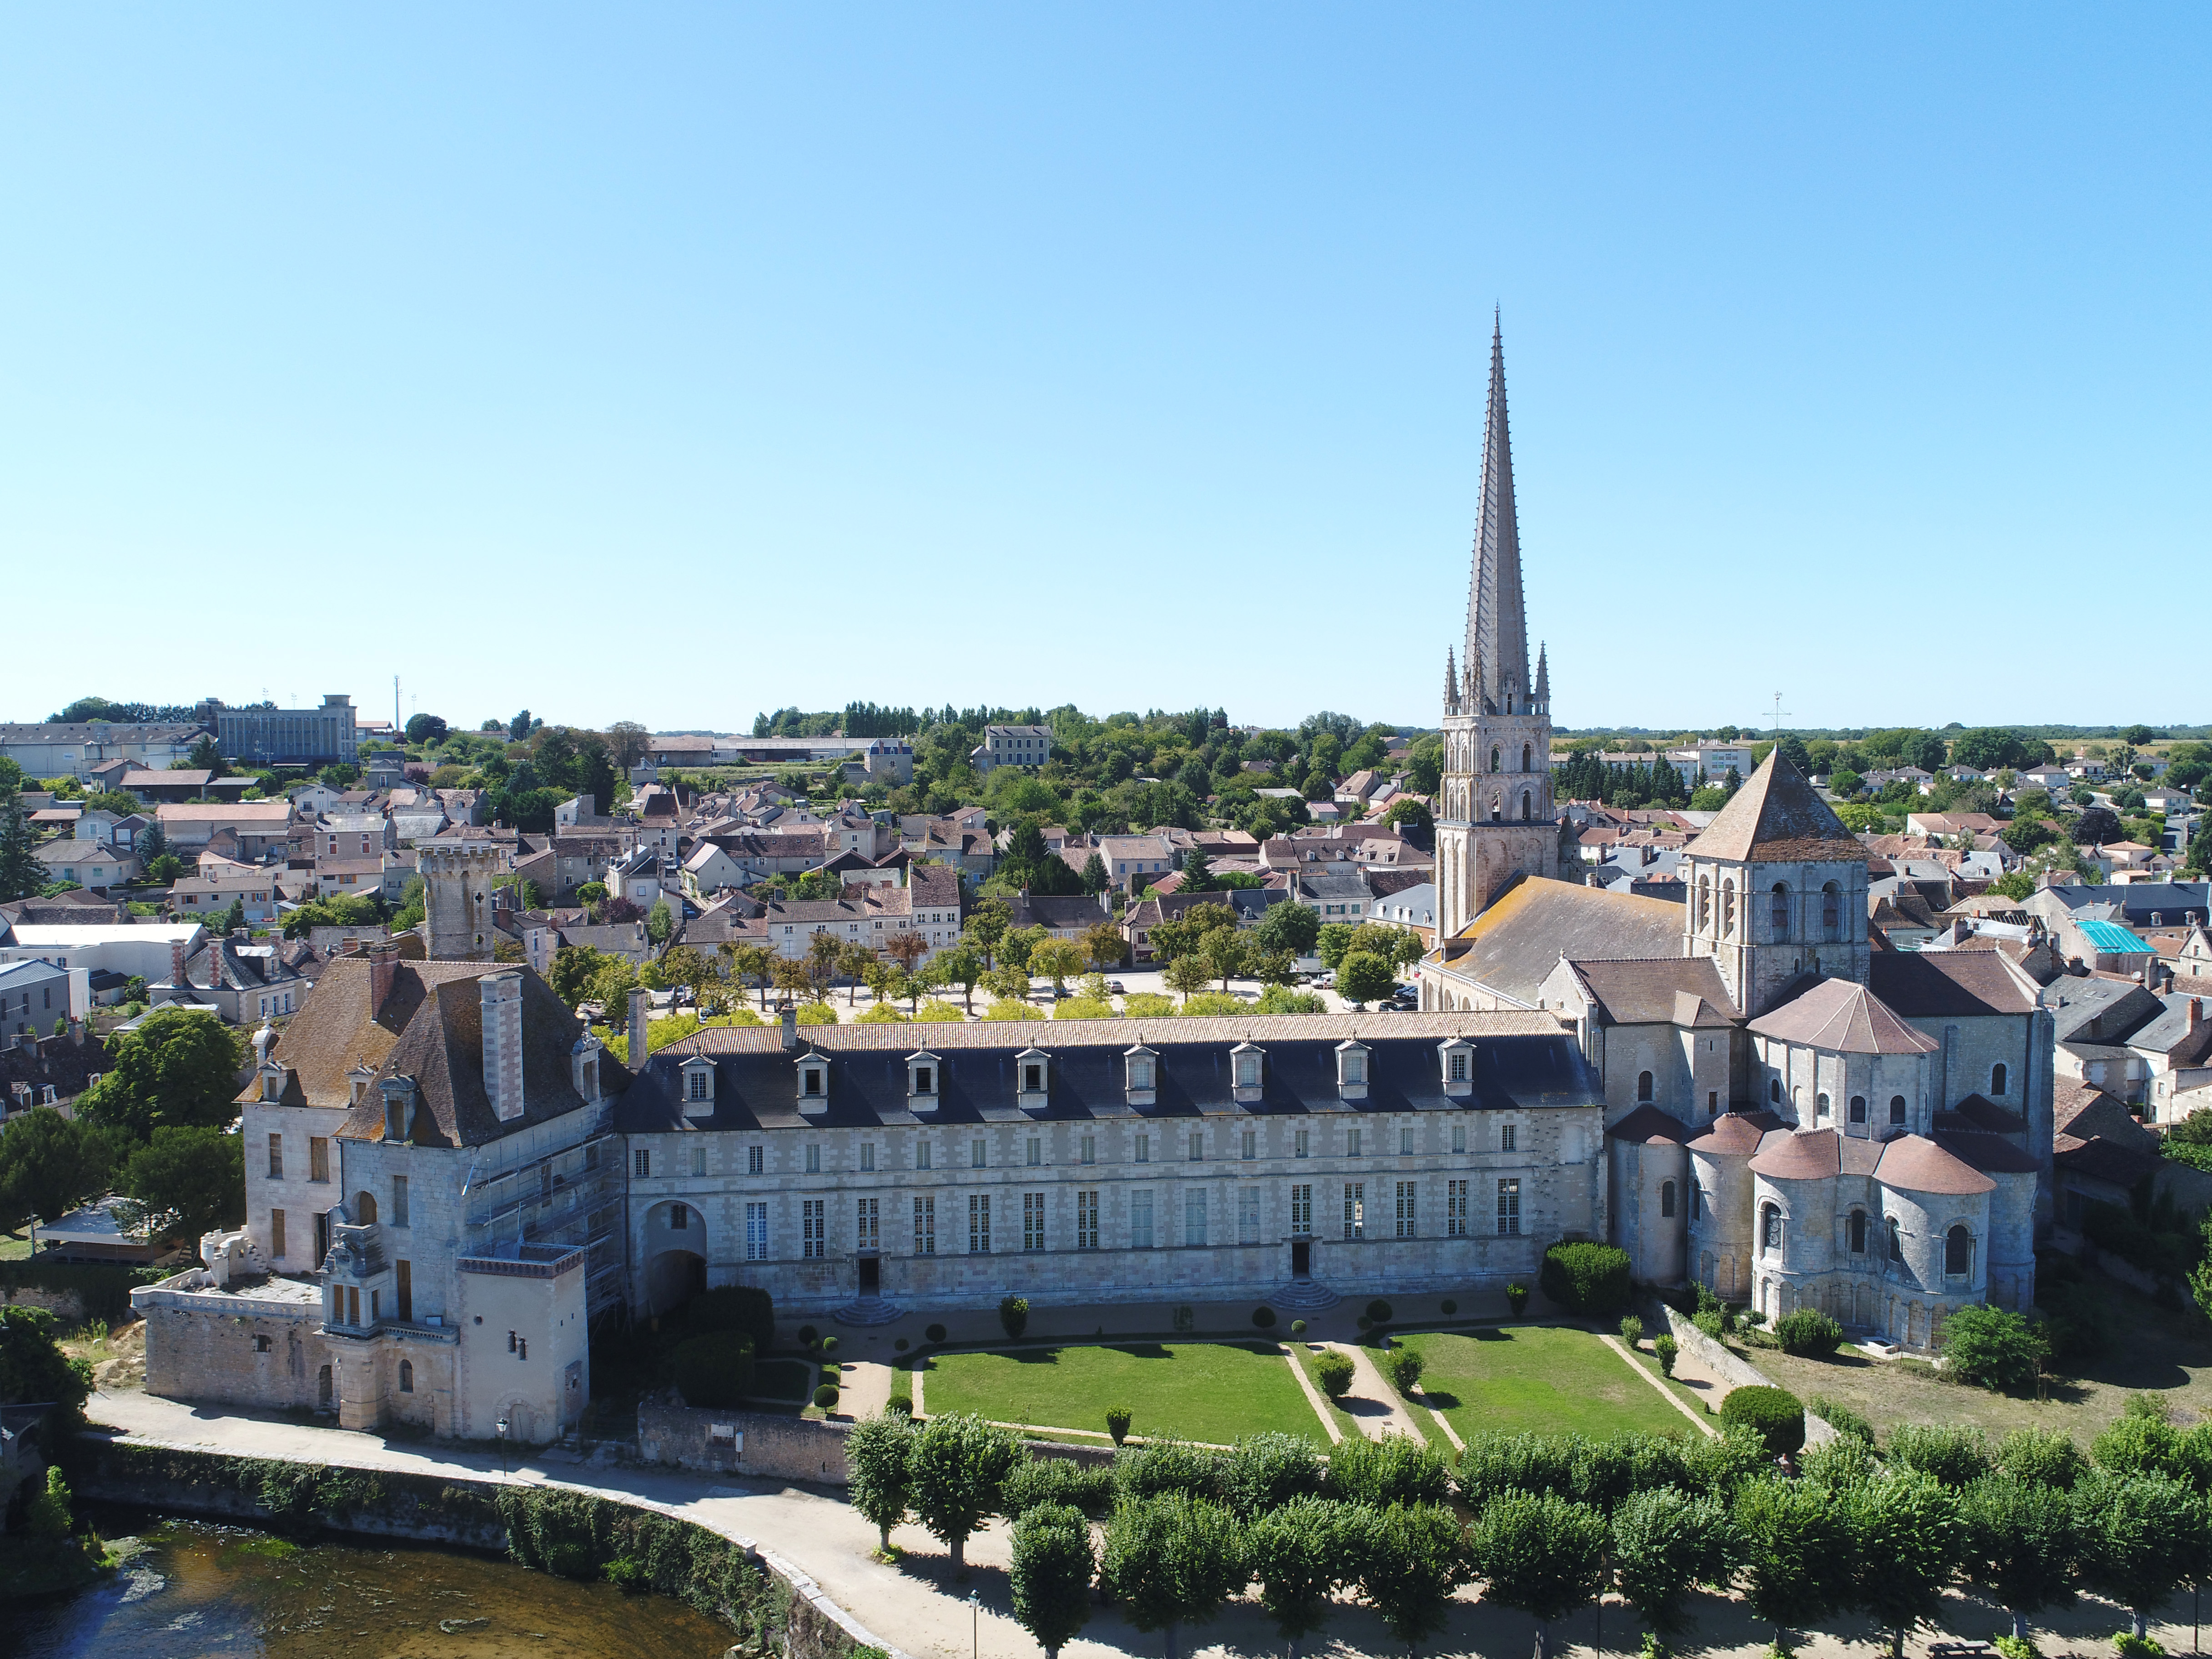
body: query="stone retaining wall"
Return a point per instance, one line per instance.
(761, 1443)
(1730, 1367)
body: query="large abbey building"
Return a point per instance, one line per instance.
(1792, 1116)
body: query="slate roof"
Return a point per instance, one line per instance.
(1975, 1113)
(1948, 984)
(1840, 1016)
(1519, 1062)
(2171, 1035)
(2101, 1010)
(1651, 993)
(1649, 1123)
(1990, 1154)
(1514, 944)
(1777, 818)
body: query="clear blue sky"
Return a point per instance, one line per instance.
(673, 363)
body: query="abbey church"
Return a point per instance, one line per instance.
(1795, 1114)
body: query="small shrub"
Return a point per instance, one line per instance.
(1335, 1372)
(1663, 1349)
(1775, 1415)
(628, 1574)
(1404, 1366)
(808, 1336)
(1808, 1333)
(2014, 1647)
(826, 1396)
(902, 1404)
(1994, 1347)
(1379, 1311)
(1298, 1328)
(2156, 1406)
(1586, 1278)
(1364, 1322)
(1517, 1298)
(1707, 1302)
(1709, 1322)
(1841, 1417)
(713, 1370)
(935, 1333)
(1753, 1318)
(1118, 1419)
(1451, 1307)
(828, 1345)
(1264, 1317)
(2129, 1645)
(1631, 1330)
(1956, 1457)
(1014, 1316)
(900, 1345)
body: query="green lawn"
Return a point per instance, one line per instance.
(1541, 1379)
(1210, 1391)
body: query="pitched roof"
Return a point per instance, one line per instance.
(1515, 945)
(1948, 984)
(1840, 1016)
(1977, 1114)
(1990, 1154)
(1649, 1123)
(1658, 993)
(1777, 818)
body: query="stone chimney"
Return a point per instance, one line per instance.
(176, 961)
(383, 969)
(789, 1017)
(501, 994)
(2196, 1012)
(639, 1045)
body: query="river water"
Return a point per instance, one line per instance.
(197, 1588)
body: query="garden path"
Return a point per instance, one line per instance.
(1658, 1383)
(864, 1390)
(1372, 1402)
(1313, 1395)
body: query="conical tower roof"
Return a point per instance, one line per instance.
(1776, 818)
(1496, 626)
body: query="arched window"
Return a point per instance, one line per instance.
(1774, 1091)
(1704, 903)
(1958, 1253)
(1858, 1109)
(1643, 1087)
(1527, 812)
(1666, 1199)
(364, 1207)
(1728, 908)
(1770, 1228)
(1493, 759)
(406, 1376)
(1896, 1247)
(1497, 808)
(1778, 915)
(1697, 1203)
(1819, 1105)
(1528, 757)
(1897, 1111)
(1858, 1233)
(1831, 912)
(1997, 1079)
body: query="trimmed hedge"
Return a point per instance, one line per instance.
(1775, 1415)
(1586, 1278)
(715, 1370)
(1808, 1333)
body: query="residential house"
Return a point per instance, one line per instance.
(1011, 746)
(1131, 861)
(2174, 1051)
(73, 749)
(1334, 892)
(34, 998)
(2092, 1020)
(50, 1071)
(356, 835)
(260, 827)
(1248, 904)
(1412, 907)
(94, 865)
(249, 980)
(205, 898)
(580, 859)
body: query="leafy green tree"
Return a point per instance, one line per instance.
(659, 923)
(1095, 878)
(1103, 946)
(2141, 1538)
(33, 1368)
(2020, 1545)
(1053, 1566)
(1302, 1552)
(178, 1069)
(1172, 1560)
(1186, 973)
(426, 729)
(1994, 1347)
(1412, 1557)
(1331, 942)
(573, 969)
(878, 1459)
(1058, 960)
(196, 1178)
(1362, 977)
(1793, 1547)
(1287, 926)
(49, 1165)
(1541, 1555)
(21, 875)
(1665, 1542)
(1409, 816)
(960, 1463)
(1226, 954)
(1907, 1543)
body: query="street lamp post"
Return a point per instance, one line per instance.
(976, 1623)
(502, 1426)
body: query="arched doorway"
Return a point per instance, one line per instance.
(672, 1278)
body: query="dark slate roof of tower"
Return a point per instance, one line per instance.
(1776, 818)
(1517, 1063)
(1496, 626)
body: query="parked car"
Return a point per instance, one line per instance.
(1116, 987)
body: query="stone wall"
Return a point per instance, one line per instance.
(1729, 1366)
(744, 1443)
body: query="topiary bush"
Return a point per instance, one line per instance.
(900, 1345)
(1014, 1316)
(935, 1333)
(1631, 1330)
(1586, 1278)
(1364, 1322)
(1775, 1415)
(1808, 1333)
(808, 1336)
(1449, 1307)
(1335, 1372)
(713, 1370)
(1163, 1466)
(1298, 1328)
(1404, 1367)
(828, 1345)
(1517, 1298)
(1264, 1317)
(826, 1396)
(1118, 1419)
(1663, 1349)
(1379, 1311)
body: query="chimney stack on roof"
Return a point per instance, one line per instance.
(176, 961)
(383, 969)
(639, 1045)
(789, 1020)
(502, 995)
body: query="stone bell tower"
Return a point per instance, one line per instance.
(457, 878)
(1495, 819)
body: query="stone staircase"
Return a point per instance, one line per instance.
(1303, 1295)
(868, 1310)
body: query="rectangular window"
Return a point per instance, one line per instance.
(1140, 1221)
(871, 1238)
(756, 1232)
(1302, 1210)
(925, 1226)
(1404, 1214)
(1506, 1136)
(1250, 1148)
(698, 1160)
(755, 1160)
(1459, 1137)
(1144, 1149)
(868, 1156)
(810, 1230)
(402, 1291)
(319, 1158)
(1090, 1149)
(1036, 1150)
(1351, 1143)
(275, 1157)
(975, 1154)
(1456, 1209)
(1458, 1066)
(813, 1157)
(276, 1235)
(979, 1223)
(1355, 1209)
(1405, 1143)
(1033, 1221)
(1508, 1206)
(1086, 1219)
(922, 1155)
(1298, 1144)
(1197, 1145)
(399, 1201)
(1248, 1215)
(1193, 1215)
(644, 1162)
(695, 1085)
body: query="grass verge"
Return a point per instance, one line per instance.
(1211, 1391)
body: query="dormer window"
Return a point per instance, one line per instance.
(1351, 1070)
(813, 1079)
(1455, 1061)
(923, 1071)
(395, 1118)
(698, 1086)
(1033, 1067)
(1140, 1069)
(1248, 1067)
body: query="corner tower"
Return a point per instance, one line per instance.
(456, 882)
(1494, 811)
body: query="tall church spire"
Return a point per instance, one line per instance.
(1497, 629)
(1543, 681)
